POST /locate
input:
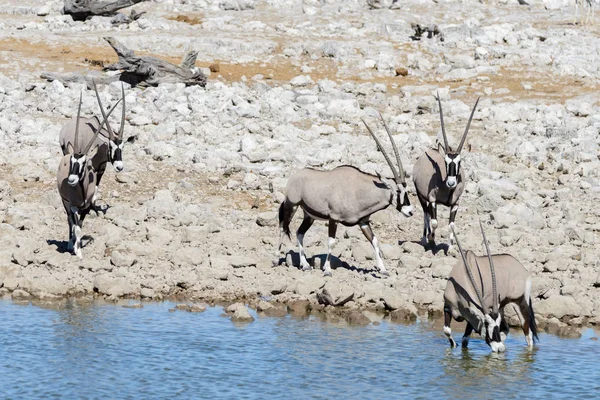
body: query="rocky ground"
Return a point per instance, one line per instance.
(194, 213)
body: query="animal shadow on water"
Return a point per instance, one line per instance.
(62, 246)
(335, 263)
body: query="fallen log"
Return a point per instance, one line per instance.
(152, 71)
(139, 70)
(80, 10)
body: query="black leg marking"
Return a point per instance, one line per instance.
(467, 335)
(425, 206)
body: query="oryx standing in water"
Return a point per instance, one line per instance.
(439, 179)
(467, 296)
(110, 145)
(344, 195)
(76, 180)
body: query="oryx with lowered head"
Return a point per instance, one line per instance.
(344, 195)
(439, 179)
(475, 283)
(76, 180)
(110, 144)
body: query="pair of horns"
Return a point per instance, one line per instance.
(105, 122)
(470, 274)
(462, 142)
(399, 175)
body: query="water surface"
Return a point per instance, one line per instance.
(107, 351)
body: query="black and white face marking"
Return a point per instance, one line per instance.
(402, 202)
(76, 169)
(452, 170)
(116, 154)
(492, 332)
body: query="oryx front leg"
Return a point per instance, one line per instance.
(453, 211)
(76, 232)
(368, 232)
(447, 330)
(426, 219)
(71, 225)
(433, 223)
(467, 335)
(306, 224)
(330, 244)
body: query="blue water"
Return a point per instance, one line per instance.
(87, 350)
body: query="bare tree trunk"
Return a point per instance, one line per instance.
(82, 9)
(151, 71)
(139, 70)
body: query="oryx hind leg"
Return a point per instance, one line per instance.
(95, 206)
(368, 232)
(286, 213)
(306, 224)
(447, 330)
(523, 311)
(330, 243)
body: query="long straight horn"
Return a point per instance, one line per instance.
(469, 273)
(442, 123)
(77, 122)
(460, 146)
(387, 158)
(122, 113)
(492, 270)
(108, 128)
(89, 145)
(398, 162)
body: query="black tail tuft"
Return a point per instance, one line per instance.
(284, 222)
(532, 323)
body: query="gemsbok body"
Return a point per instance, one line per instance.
(478, 289)
(344, 195)
(76, 181)
(110, 144)
(439, 179)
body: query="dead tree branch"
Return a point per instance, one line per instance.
(139, 70)
(80, 10)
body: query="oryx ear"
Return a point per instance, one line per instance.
(465, 151)
(440, 149)
(131, 139)
(70, 149)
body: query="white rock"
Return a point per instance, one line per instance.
(43, 11)
(301, 80)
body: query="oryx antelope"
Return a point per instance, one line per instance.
(475, 282)
(76, 181)
(438, 179)
(110, 144)
(344, 195)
